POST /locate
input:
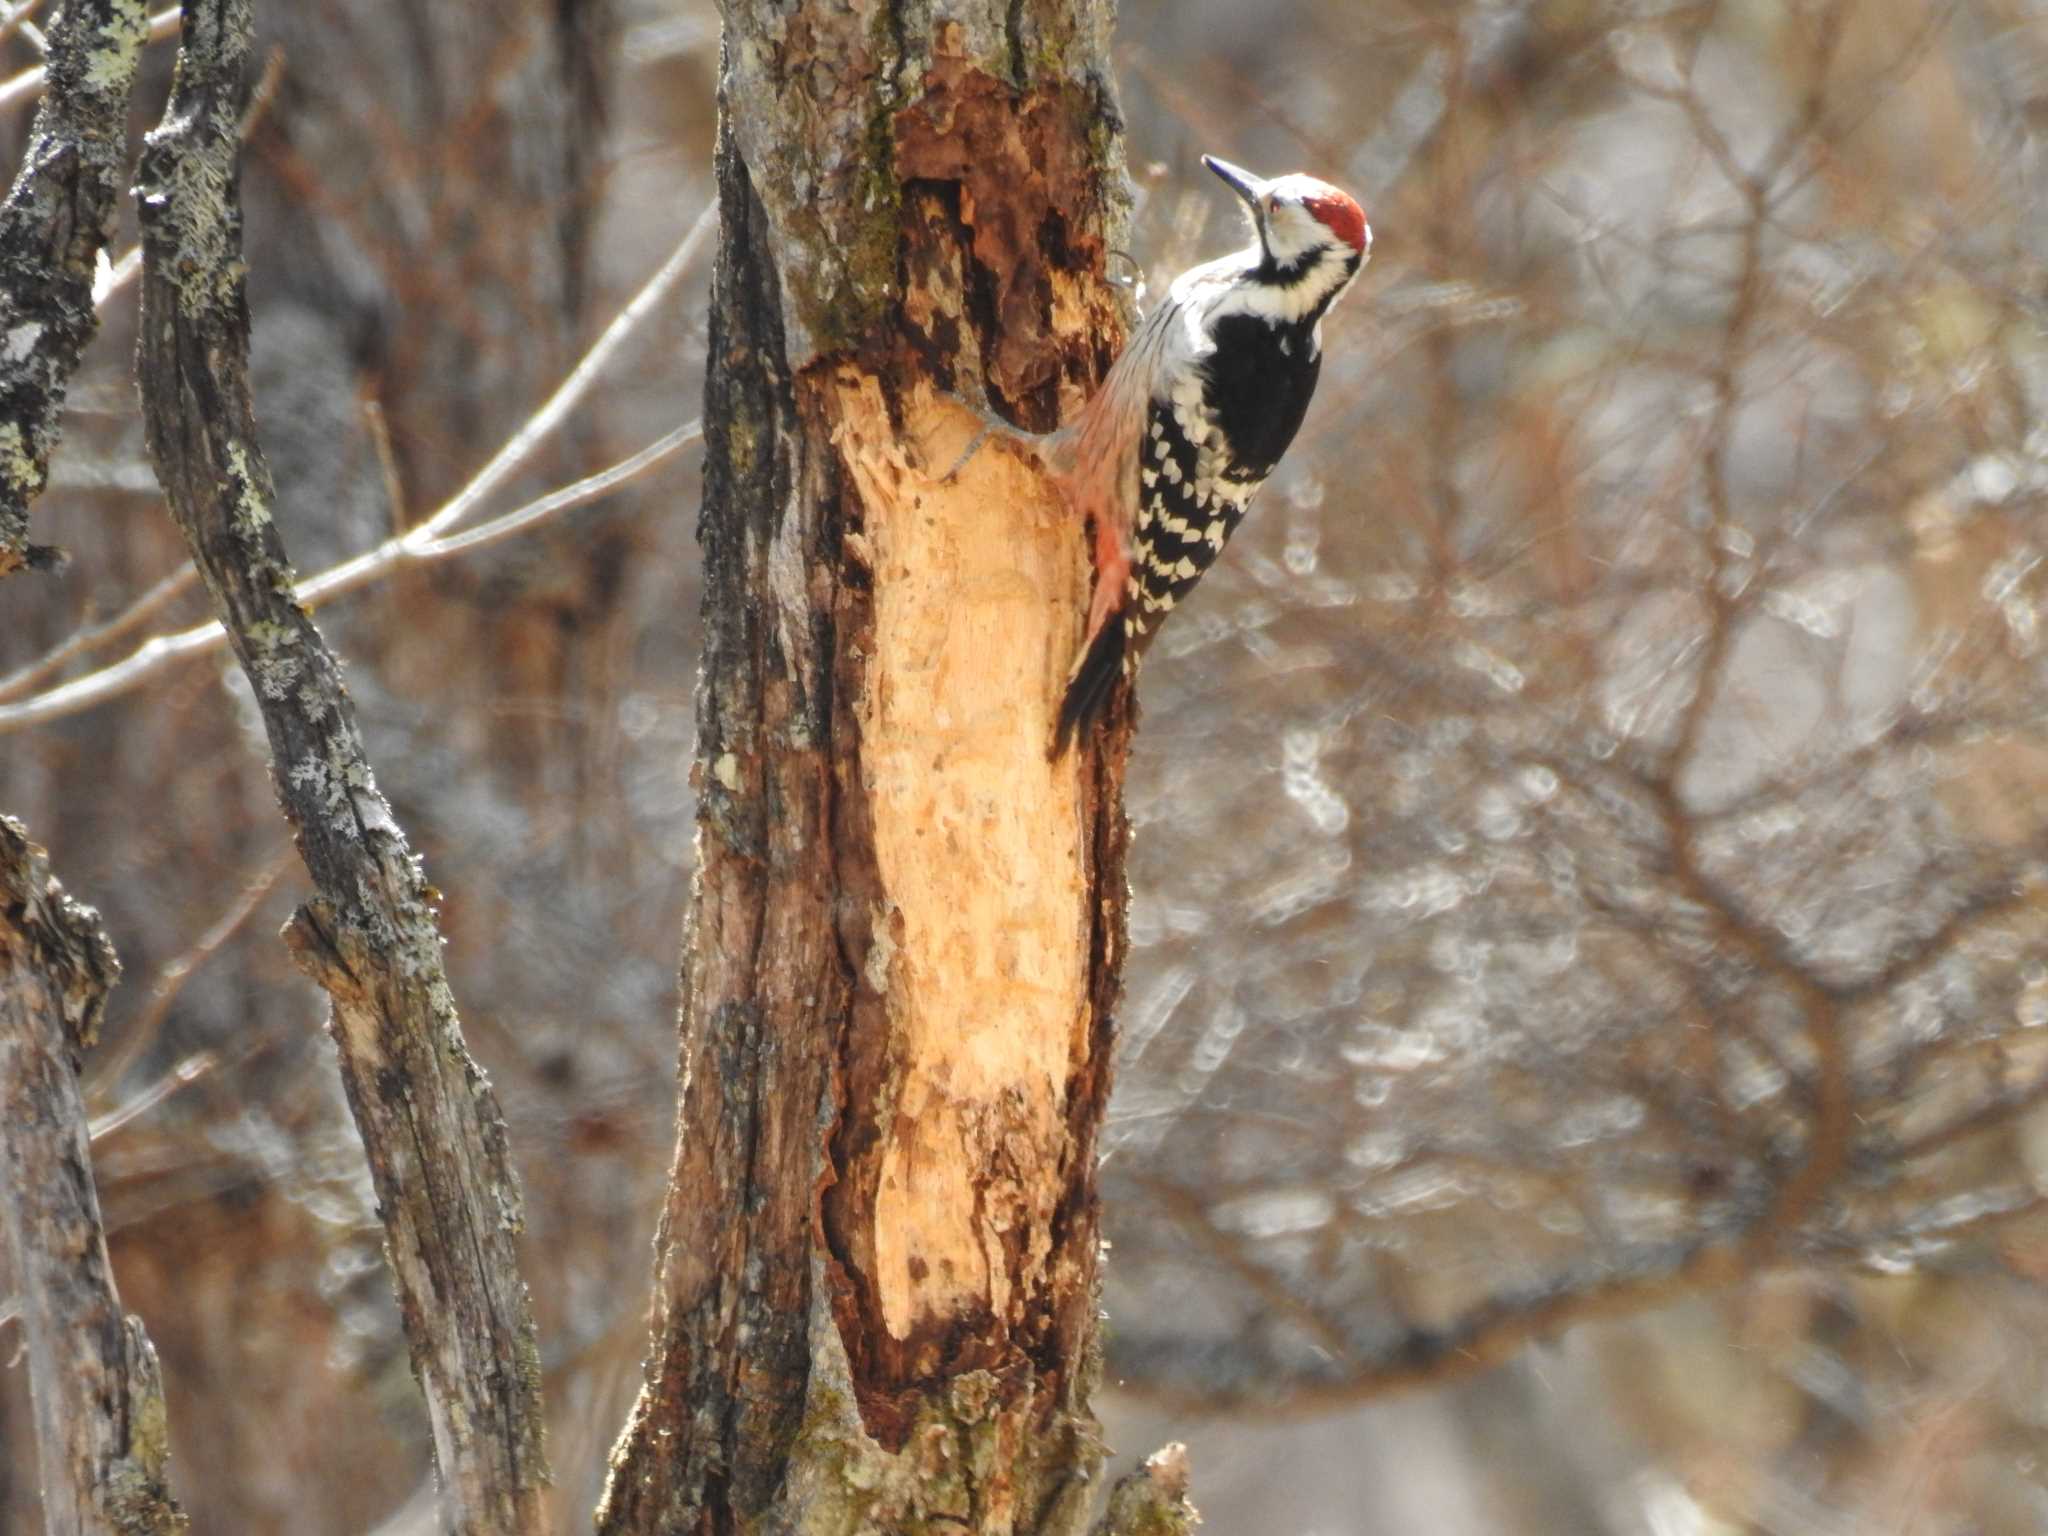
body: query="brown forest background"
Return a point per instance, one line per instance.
(1590, 951)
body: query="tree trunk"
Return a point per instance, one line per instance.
(102, 1436)
(877, 1267)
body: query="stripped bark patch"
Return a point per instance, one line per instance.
(949, 1207)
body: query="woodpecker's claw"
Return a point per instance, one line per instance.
(973, 447)
(992, 425)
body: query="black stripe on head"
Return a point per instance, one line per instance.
(1271, 271)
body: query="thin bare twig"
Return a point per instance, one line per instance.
(590, 488)
(429, 540)
(12, 17)
(137, 613)
(172, 976)
(116, 276)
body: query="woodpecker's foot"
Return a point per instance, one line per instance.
(992, 425)
(973, 447)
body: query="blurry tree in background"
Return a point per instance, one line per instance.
(1588, 835)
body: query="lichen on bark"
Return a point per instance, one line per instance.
(54, 225)
(429, 1121)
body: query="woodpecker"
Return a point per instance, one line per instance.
(1167, 455)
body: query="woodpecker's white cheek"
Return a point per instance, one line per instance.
(1292, 233)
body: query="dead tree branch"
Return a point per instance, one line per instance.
(428, 1118)
(56, 221)
(101, 1433)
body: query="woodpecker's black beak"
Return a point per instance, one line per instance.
(1239, 180)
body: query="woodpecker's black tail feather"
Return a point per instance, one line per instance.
(1092, 686)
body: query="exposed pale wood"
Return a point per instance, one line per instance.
(877, 1303)
(979, 944)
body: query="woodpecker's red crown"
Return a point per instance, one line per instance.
(1280, 207)
(1335, 210)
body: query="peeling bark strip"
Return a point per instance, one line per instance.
(55, 222)
(429, 1121)
(876, 1305)
(102, 1438)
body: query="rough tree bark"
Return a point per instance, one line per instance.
(429, 1120)
(417, 205)
(877, 1266)
(54, 224)
(102, 1436)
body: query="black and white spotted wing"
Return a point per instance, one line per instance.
(1205, 452)
(1189, 504)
